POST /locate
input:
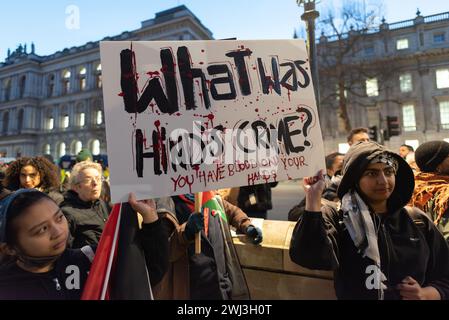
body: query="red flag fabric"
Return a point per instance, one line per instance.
(207, 195)
(129, 278)
(119, 270)
(97, 284)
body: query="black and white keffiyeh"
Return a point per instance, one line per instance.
(386, 158)
(360, 225)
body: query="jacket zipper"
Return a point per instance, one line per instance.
(97, 209)
(58, 286)
(384, 231)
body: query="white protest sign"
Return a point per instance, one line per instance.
(190, 116)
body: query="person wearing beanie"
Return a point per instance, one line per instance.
(431, 192)
(431, 155)
(377, 247)
(84, 155)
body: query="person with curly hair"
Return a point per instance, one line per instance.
(34, 173)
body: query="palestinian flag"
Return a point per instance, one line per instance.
(210, 205)
(119, 271)
(210, 201)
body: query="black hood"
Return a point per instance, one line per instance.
(355, 163)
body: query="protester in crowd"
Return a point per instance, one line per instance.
(256, 200)
(86, 213)
(3, 192)
(37, 173)
(377, 248)
(84, 155)
(334, 164)
(33, 237)
(431, 192)
(215, 273)
(408, 154)
(404, 150)
(358, 134)
(3, 168)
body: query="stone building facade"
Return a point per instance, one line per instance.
(412, 83)
(53, 104)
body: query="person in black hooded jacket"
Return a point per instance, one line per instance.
(377, 247)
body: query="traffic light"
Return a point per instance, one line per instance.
(393, 127)
(372, 132)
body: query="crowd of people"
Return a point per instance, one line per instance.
(379, 219)
(50, 221)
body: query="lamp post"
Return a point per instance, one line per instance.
(309, 16)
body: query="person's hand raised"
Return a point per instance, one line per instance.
(314, 187)
(147, 208)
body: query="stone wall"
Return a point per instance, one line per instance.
(272, 275)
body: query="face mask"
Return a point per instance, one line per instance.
(35, 262)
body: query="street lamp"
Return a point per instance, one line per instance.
(309, 16)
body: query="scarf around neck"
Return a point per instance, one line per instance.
(359, 223)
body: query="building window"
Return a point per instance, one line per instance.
(7, 89)
(22, 86)
(82, 119)
(408, 115)
(66, 81)
(99, 117)
(50, 123)
(77, 146)
(444, 114)
(51, 86)
(61, 151)
(99, 82)
(405, 82)
(82, 77)
(439, 37)
(65, 121)
(5, 122)
(372, 90)
(402, 44)
(96, 147)
(442, 78)
(47, 149)
(20, 120)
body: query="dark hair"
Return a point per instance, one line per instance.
(49, 173)
(410, 148)
(356, 131)
(330, 159)
(17, 207)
